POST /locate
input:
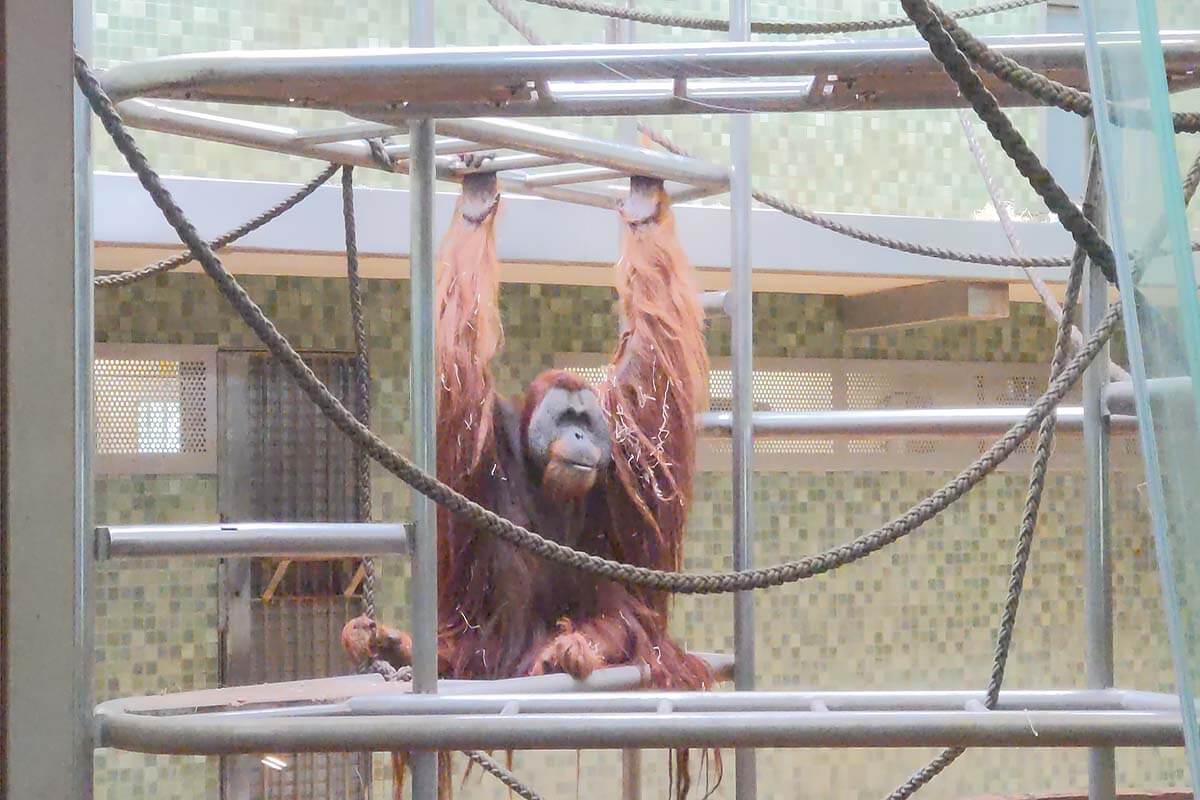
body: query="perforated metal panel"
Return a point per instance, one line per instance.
(283, 461)
(862, 384)
(155, 409)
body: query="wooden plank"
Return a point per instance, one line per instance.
(276, 579)
(923, 304)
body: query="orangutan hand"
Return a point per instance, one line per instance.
(570, 651)
(363, 639)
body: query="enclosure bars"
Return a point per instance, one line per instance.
(45, 405)
(423, 584)
(1097, 569)
(742, 352)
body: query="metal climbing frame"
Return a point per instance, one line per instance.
(390, 89)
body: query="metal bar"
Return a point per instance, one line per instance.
(424, 590)
(1118, 395)
(348, 132)
(741, 303)
(1097, 553)
(715, 303)
(631, 774)
(446, 145)
(46, 656)
(502, 163)
(211, 734)
(464, 700)
(900, 422)
(280, 539)
(623, 159)
(574, 175)
(560, 694)
(258, 135)
(1148, 701)
(491, 82)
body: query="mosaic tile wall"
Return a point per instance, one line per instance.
(884, 162)
(919, 615)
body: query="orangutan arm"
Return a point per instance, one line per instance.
(658, 382)
(468, 335)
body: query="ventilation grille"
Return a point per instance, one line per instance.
(860, 384)
(155, 409)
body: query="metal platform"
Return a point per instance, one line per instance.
(544, 713)
(391, 85)
(529, 159)
(381, 89)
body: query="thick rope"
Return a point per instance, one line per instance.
(1032, 83)
(1028, 527)
(134, 275)
(362, 381)
(1008, 137)
(820, 220)
(702, 23)
(493, 767)
(1191, 182)
(900, 245)
(493, 524)
(913, 248)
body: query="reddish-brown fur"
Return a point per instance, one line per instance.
(503, 611)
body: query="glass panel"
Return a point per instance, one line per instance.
(1149, 234)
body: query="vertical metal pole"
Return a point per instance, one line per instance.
(1062, 130)
(631, 775)
(1097, 600)
(620, 31)
(424, 407)
(45, 404)
(746, 785)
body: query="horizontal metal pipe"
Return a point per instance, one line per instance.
(445, 146)
(1147, 701)
(491, 700)
(569, 176)
(502, 163)
(568, 696)
(348, 132)
(280, 539)
(715, 303)
(620, 158)
(900, 422)
(211, 735)
(1118, 395)
(257, 135)
(495, 81)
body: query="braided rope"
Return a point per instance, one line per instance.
(1008, 137)
(702, 23)
(913, 248)
(901, 245)
(362, 381)
(1025, 534)
(1191, 182)
(493, 767)
(491, 523)
(1033, 83)
(135, 275)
